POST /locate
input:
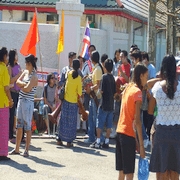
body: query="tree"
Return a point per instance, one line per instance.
(171, 26)
(152, 30)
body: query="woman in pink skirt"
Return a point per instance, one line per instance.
(5, 103)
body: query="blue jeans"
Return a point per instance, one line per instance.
(145, 136)
(104, 117)
(24, 114)
(92, 120)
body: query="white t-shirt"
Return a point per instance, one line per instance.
(86, 69)
(168, 109)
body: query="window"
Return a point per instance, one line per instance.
(52, 17)
(91, 19)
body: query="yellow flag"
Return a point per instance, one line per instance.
(60, 46)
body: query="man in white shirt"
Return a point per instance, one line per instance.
(87, 67)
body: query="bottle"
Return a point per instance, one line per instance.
(155, 111)
(41, 104)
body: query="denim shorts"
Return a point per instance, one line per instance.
(46, 110)
(104, 117)
(25, 110)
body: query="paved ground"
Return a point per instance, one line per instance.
(52, 162)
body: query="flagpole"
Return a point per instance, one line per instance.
(82, 37)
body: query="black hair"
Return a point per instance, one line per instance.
(84, 60)
(168, 72)
(138, 70)
(137, 54)
(134, 46)
(129, 61)
(119, 51)
(76, 66)
(32, 59)
(104, 57)
(108, 65)
(92, 46)
(3, 52)
(95, 58)
(12, 54)
(71, 54)
(145, 55)
(133, 49)
(49, 77)
(125, 53)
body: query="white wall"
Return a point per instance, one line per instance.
(98, 38)
(12, 16)
(12, 35)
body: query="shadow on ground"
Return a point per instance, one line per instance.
(45, 162)
(18, 166)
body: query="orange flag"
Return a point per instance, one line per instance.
(32, 38)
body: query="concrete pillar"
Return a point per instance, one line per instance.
(130, 32)
(144, 42)
(73, 10)
(108, 25)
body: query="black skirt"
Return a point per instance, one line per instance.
(166, 151)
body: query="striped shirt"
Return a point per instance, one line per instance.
(30, 95)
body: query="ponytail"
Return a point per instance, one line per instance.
(101, 68)
(170, 80)
(168, 72)
(34, 65)
(75, 74)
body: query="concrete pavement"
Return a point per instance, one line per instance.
(47, 161)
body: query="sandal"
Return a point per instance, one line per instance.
(69, 145)
(13, 152)
(26, 154)
(59, 143)
(13, 140)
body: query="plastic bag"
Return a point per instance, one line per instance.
(143, 169)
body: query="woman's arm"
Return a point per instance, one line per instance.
(138, 125)
(151, 105)
(8, 94)
(33, 83)
(151, 82)
(13, 79)
(19, 81)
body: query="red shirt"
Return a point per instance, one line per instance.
(126, 70)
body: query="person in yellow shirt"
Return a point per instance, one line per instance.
(96, 78)
(5, 103)
(68, 118)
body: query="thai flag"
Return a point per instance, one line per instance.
(86, 42)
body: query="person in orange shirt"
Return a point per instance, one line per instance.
(129, 122)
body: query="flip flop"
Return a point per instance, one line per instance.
(13, 140)
(13, 152)
(26, 154)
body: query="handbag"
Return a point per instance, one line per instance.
(62, 90)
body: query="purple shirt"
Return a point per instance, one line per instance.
(15, 70)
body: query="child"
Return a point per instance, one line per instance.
(105, 110)
(129, 120)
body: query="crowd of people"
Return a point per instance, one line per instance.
(124, 99)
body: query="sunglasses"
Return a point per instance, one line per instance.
(52, 77)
